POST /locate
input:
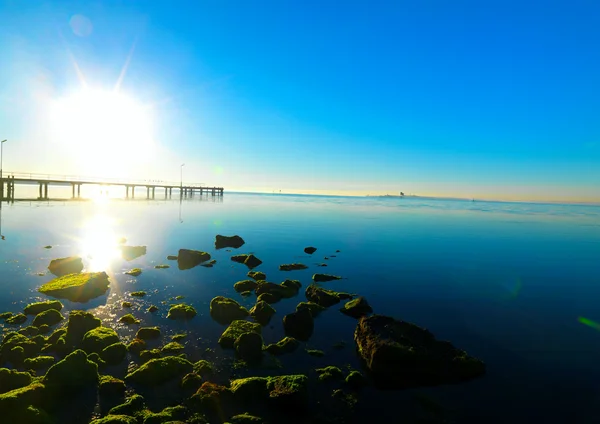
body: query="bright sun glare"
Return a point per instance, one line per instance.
(99, 243)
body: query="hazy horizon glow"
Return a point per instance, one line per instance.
(493, 100)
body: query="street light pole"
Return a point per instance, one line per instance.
(1, 180)
(181, 178)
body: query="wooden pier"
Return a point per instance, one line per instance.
(8, 182)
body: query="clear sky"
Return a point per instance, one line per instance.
(486, 99)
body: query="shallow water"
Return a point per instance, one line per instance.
(505, 281)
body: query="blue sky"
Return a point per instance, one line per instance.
(493, 99)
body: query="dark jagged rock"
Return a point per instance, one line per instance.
(250, 261)
(72, 373)
(318, 278)
(39, 307)
(97, 339)
(129, 253)
(248, 346)
(310, 250)
(225, 310)
(80, 322)
(245, 285)
(48, 317)
(181, 311)
(257, 275)
(77, 287)
(64, 266)
(399, 354)
(314, 308)
(187, 258)
(148, 333)
(160, 370)
(292, 267)
(228, 241)
(299, 325)
(235, 330)
(285, 345)
(262, 312)
(357, 308)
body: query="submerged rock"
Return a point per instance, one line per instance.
(181, 311)
(187, 258)
(225, 310)
(161, 370)
(64, 266)
(245, 285)
(399, 354)
(292, 267)
(314, 308)
(134, 272)
(97, 339)
(325, 277)
(39, 307)
(357, 308)
(129, 253)
(299, 324)
(315, 352)
(235, 330)
(48, 317)
(310, 250)
(72, 373)
(262, 312)
(77, 287)
(228, 241)
(248, 346)
(148, 333)
(257, 275)
(250, 261)
(285, 345)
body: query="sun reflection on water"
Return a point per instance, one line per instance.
(99, 244)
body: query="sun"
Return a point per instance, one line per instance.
(106, 129)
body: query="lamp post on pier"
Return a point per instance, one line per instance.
(181, 178)
(1, 180)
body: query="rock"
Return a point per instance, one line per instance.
(172, 348)
(246, 293)
(268, 297)
(94, 357)
(17, 319)
(171, 257)
(287, 391)
(39, 307)
(161, 370)
(355, 380)
(248, 347)
(399, 354)
(170, 415)
(287, 289)
(111, 387)
(30, 330)
(80, 322)
(181, 311)
(75, 372)
(148, 333)
(188, 259)
(257, 275)
(97, 339)
(325, 277)
(20, 405)
(339, 345)
(152, 308)
(235, 330)
(245, 285)
(146, 355)
(225, 310)
(292, 267)
(299, 324)
(203, 367)
(115, 419)
(114, 354)
(38, 363)
(310, 250)
(209, 264)
(162, 266)
(228, 241)
(314, 308)
(6, 315)
(285, 345)
(250, 261)
(134, 272)
(12, 379)
(321, 264)
(136, 346)
(48, 317)
(133, 405)
(129, 319)
(315, 352)
(262, 312)
(357, 308)
(322, 296)
(191, 382)
(77, 287)
(126, 304)
(129, 253)
(329, 373)
(64, 266)
(178, 337)
(245, 418)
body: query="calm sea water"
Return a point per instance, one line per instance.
(507, 282)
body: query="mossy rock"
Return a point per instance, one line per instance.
(268, 297)
(134, 272)
(262, 312)
(48, 317)
(115, 419)
(292, 267)
(287, 289)
(181, 311)
(146, 355)
(310, 250)
(148, 333)
(80, 322)
(130, 253)
(355, 380)
(132, 405)
(248, 346)
(203, 367)
(129, 319)
(160, 370)
(97, 339)
(323, 297)
(329, 373)
(136, 346)
(20, 405)
(236, 329)
(72, 373)
(178, 337)
(152, 308)
(171, 414)
(126, 304)
(29, 331)
(245, 285)
(314, 308)
(114, 354)
(12, 379)
(250, 261)
(6, 315)
(77, 287)
(287, 391)
(225, 310)
(110, 386)
(299, 325)
(187, 259)
(320, 278)
(14, 340)
(95, 358)
(17, 319)
(257, 275)
(234, 242)
(44, 329)
(38, 363)
(357, 308)
(64, 266)
(191, 382)
(39, 307)
(172, 347)
(285, 345)
(139, 293)
(315, 352)
(245, 418)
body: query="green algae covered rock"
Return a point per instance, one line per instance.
(38, 307)
(357, 308)
(248, 346)
(64, 266)
(329, 373)
(136, 346)
(6, 315)
(77, 287)
(14, 340)
(72, 373)
(171, 414)
(245, 418)
(325, 277)
(44, 329)
(160, 370)
(114, 354)
(129, 319)
(245, 285)
(115, 419)
(268, 297)
(262, 312)
(225, 310)
(20, 405)
(191, 382)
(132, 405)
(17, 319)
(152, 308)
(250, 261)
(299, 325)
(148, 333)
(97, 339)
(146, 355)
(29, 331)
(323, 297)
(126, 304)
(95, 358)
(315, 352)
(284, 390)
(203, 367)
(12, 379)
(235, 330)
(292, 267)
(181, 311)
(172, 347)
(285, 290)
(314, 308)
(257, 275)
(38, 363)
(134, 272)
(355, 380)
(228, 241)
(80, 322)
(139, 293)
(48, 317)
(285, 345)
(187, 258)
(110, 386)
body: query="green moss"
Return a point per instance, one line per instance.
(162, 266)
(134, 272)
(148, 333)
(6, 315)
(284, 390)
(225, 310)
(77, 287)
(152, 308)
(114, 354)
(292, 267)
(314, 308)
(178, 337)
(16, 401)
(14, 340)
(97, 339)
(115, 419)
(191, 382)
(80, 322)
(315, 352)
(245, 418)
(48, 317)
(172, 347)
(161, 370)
(111, 386)
(146, 355)
(257, 275)
(244, 285)
(357, 308)
(355, 380)
(44, 328)
(203, 367)
(262, 312)
(140, 293)
(38, 307)
(131, 406)
(329, 373)
(39, 363)
(285, 345)
(170, 414)
(126, 304)
(236, 329)
(72, 373)
(17, 319)
(181, 311)
(250, 388)
(11, 380)
(129, 319)
(136, 346)
(94, 357)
